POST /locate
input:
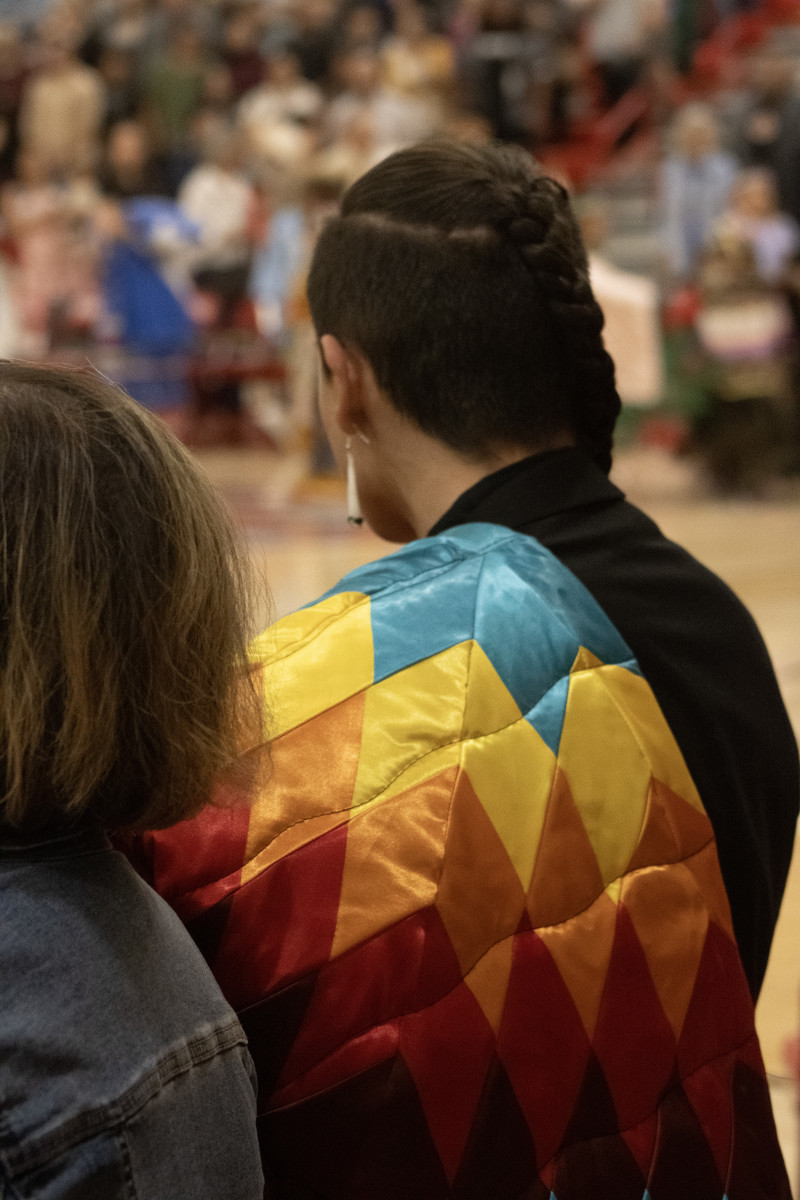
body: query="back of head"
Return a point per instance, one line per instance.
(124, 612)
(459, 273)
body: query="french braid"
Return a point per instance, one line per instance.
(460, 274)
(546, 235)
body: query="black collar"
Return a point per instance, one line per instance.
(551, 482)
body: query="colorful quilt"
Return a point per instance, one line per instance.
(474, 924)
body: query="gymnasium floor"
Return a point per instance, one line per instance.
(298, 536)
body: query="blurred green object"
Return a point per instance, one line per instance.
(689, 384)
(690, 376)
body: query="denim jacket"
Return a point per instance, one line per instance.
(123, 1072)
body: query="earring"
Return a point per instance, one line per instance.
(354, 516)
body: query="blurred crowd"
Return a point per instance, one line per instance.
(165, 164)
(730, 213)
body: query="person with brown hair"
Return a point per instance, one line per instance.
(123, 1072)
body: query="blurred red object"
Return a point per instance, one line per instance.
(681, 309)
(669, 432)
(732, 38)
(791, 1056)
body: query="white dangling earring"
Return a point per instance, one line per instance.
(354, 516)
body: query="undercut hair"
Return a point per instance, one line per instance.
(124, 618)
(460, 274)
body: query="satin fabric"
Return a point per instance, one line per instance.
(477, 908)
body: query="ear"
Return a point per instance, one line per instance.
(347, 383)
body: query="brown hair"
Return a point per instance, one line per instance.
(124, 620)
(459, 273)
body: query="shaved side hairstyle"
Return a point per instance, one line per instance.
(460, 274)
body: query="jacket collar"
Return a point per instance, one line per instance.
(542, 485)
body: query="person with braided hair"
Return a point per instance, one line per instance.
(495, 923)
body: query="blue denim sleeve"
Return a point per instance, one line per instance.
(192, 1139)
(196, 1140)
(93, 1168)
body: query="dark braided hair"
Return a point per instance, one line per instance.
(460, 274)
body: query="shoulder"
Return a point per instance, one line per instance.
(464, 554)
(475, 584)
(446, 574)
(185, 1125)
(696, 642)
(624, 558)
(95, 920)
(112, 1030)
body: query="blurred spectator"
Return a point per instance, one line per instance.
(172, 91)
(754, 218)
(495, 67)
(52, 272)
(469, 128)
(767, 129)
(241, 52)
(124, 25)
(416, 61)
(696, 181)
(396, 120)
(276, 265)
(630, 305)
(218, 199)
(128, 167)
(217, 100)
(147, 315)
(322, 89)
(117, 69)
(361, 28)
(619, 40)
(13, 77)
(665, 90)
(278, 116)
(354, 151)
(62, 109)
(278, 287)
(315, 37)
(519, 66)
(744, 327)
(171, 16)
(555, 68)
(280, 264)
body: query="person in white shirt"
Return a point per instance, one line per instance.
(277, 118)
(397, 120)
(218, 198)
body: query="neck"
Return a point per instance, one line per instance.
(432, 494)
(407, 479)
(428, 476)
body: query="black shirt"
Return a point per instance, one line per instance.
(698, 648)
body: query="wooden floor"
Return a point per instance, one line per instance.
(299, 537)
